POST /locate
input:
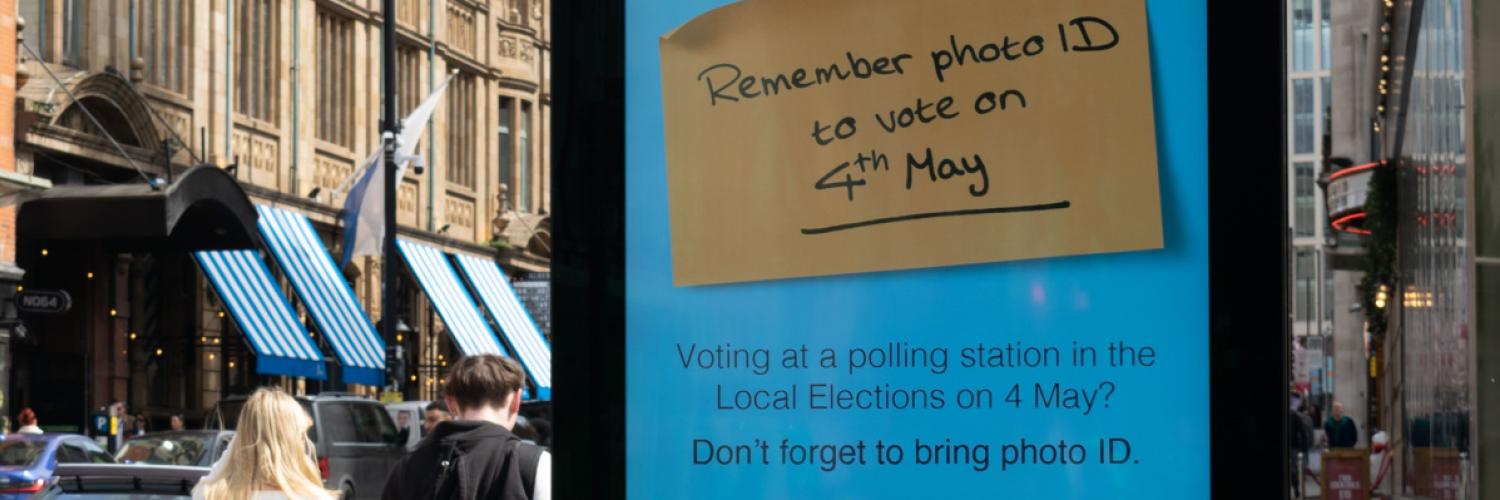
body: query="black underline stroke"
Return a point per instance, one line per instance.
(933, 215)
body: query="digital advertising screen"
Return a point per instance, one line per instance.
(888, 249)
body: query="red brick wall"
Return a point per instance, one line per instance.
(7, 121)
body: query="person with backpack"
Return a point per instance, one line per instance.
(475, 455)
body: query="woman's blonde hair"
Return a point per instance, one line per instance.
(270, 452)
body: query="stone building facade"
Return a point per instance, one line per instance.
(286, 95)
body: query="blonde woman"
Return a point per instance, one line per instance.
(270, 457)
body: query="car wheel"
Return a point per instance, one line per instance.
(346, 492)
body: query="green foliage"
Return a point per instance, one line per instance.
(1380, 247)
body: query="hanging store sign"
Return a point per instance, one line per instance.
(43, 301)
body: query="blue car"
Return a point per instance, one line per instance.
(27, 460)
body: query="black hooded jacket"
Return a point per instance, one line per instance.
(484, 461)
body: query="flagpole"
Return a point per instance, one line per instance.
(390, 124)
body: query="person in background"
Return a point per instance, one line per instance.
(27, 419)
(403, 427)
(437, 412)
(1300, 431)
(117, 411)
(176, 422)
(270, 456)
(476, 455)
(1342, 433)
(137, 425)
(1320, 438)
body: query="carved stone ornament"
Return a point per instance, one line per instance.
(500, 222)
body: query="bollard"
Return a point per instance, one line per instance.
(1301, 474)
(1463, 474)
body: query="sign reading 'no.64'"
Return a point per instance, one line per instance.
(44, 301)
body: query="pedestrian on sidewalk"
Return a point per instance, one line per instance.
(1301, 440)
(270, 456)
(437, 412)
(1342, 433)
(475, 455)
(27, 419)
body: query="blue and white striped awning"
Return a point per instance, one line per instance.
(515, 323)
(325, 294)
(281, 344)
(454, 305)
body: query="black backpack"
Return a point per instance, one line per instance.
(525, 455)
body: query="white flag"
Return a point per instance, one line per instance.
(364, 209)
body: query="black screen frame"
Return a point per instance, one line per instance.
(1249, 242)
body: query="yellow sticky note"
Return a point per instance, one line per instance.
(825, 137)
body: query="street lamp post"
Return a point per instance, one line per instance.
(388, 297)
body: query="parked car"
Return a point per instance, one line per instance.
(123, 482)
(194, 448)
(357, 443)
(28, 460)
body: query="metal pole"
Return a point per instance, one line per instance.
(431, 130)
(388, 265)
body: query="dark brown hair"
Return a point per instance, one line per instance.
(485, 379)
(27, 417)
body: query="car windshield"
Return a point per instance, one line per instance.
(165, 449)
(20, 452)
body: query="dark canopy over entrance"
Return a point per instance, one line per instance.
(204, 209)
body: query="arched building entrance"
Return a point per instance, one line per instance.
(121, 252)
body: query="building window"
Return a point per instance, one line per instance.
(1327, 97)
(73, 16)
(335, 79)
(1327, 294)
(523, 130)
(162, 42)
(256, 71)
(1302, 116)
(1325, 55)
(461, 125)
(507, 148)
(1303, 209)
(1303, 294)
(1302, 35)
(35, 14)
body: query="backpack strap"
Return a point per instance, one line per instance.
(528, 457)
(446, 465)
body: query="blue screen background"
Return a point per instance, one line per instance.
(1157, 298)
